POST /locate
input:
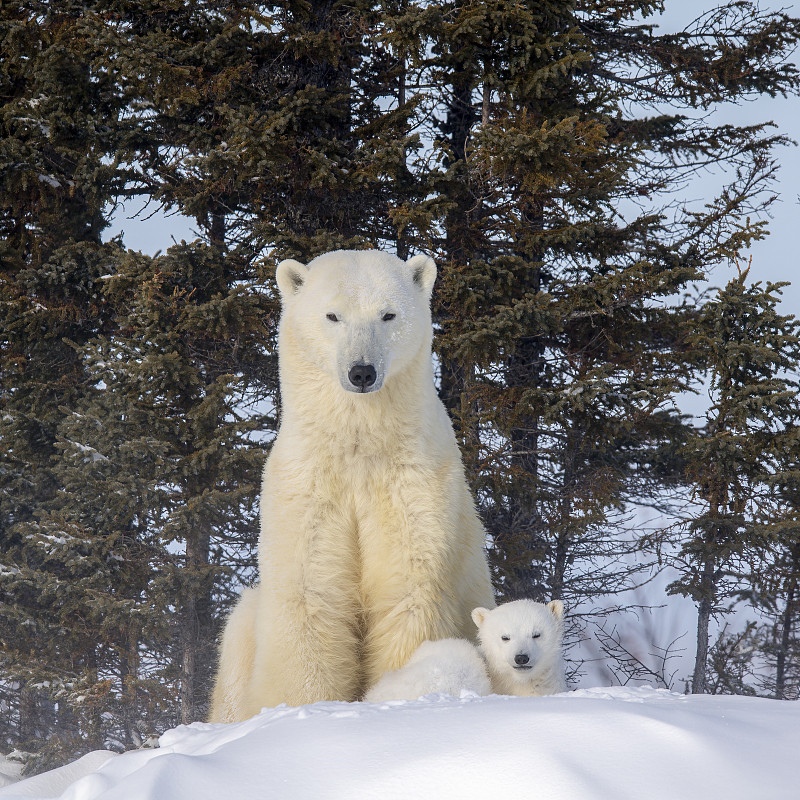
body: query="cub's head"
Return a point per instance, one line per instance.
(359, 316)
(516, 636)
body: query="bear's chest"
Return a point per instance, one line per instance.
(362, 478)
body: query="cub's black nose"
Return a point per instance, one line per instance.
(362, 376)
(521, 659)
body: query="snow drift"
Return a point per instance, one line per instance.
(591, 744)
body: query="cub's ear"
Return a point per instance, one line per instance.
(557, 610)
(291, 275)
(479, 615)
(423, 272)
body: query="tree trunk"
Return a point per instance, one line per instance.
(787, 623)
(401, 242)
(129, 674)
(196, 632)
(460, 115)
(217, 230)
(524, 368)
(703, 616)
(526, 572)
(564, 533)
(189, 662)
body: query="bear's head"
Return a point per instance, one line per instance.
(517, 636)
(360, 316)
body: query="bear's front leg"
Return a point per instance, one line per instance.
(308, 650)
(394, 633)
(412, 570)
(308, 645)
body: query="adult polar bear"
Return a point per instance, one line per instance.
(370, 543)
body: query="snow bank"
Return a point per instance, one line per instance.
(57, 781)
(9, 768)
(592, 744)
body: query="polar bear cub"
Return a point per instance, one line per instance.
(521, 643)
(447, 666)
(519, 654)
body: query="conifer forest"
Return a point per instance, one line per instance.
(538, 150)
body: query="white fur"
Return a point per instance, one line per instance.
(523, 631)
(447, 666)
(370, 543)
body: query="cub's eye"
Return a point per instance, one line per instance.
(536, 635)
(506, 638)
(388, 316)
(332, 317)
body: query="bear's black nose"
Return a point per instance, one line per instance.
(362, 376)
(521, 658)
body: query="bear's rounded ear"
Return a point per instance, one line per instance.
(479, 615)
(423, 271)
(557, 609)
(290, 275)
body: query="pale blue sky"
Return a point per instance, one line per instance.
(776, 258)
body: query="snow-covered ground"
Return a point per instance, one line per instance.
(591, 744)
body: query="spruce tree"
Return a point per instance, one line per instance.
(749, 351)
(559, 352)
(781, 639)
(61, 122)
(194, 319)
(173, 381)
(271, 123)
(773, 579)
(113, 517)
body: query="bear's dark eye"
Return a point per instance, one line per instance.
(389, 316)
(506, 638)
(332, 317)
(536, 635)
